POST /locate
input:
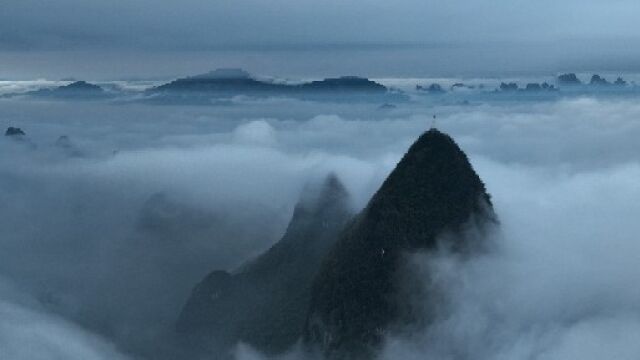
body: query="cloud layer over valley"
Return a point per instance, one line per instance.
(103, 244)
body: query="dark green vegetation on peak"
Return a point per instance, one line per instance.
(433, 191)
(265, 302)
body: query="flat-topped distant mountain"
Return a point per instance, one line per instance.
(233, 82)
(345, 84)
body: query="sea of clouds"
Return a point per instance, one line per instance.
(83, 277)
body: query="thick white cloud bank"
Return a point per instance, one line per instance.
(560, 284)
(29, 333)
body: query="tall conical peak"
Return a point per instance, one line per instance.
(433, 191)
(432, 188)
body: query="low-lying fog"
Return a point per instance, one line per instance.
(103, 234)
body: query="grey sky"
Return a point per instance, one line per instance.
(143, 26)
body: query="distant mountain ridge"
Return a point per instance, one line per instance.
(233, 82)
(77, 90)
(221, 86)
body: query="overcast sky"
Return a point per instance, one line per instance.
(144, 26)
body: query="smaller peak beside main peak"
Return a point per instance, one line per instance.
(329, 192)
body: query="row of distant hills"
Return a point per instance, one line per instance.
(226, 83)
